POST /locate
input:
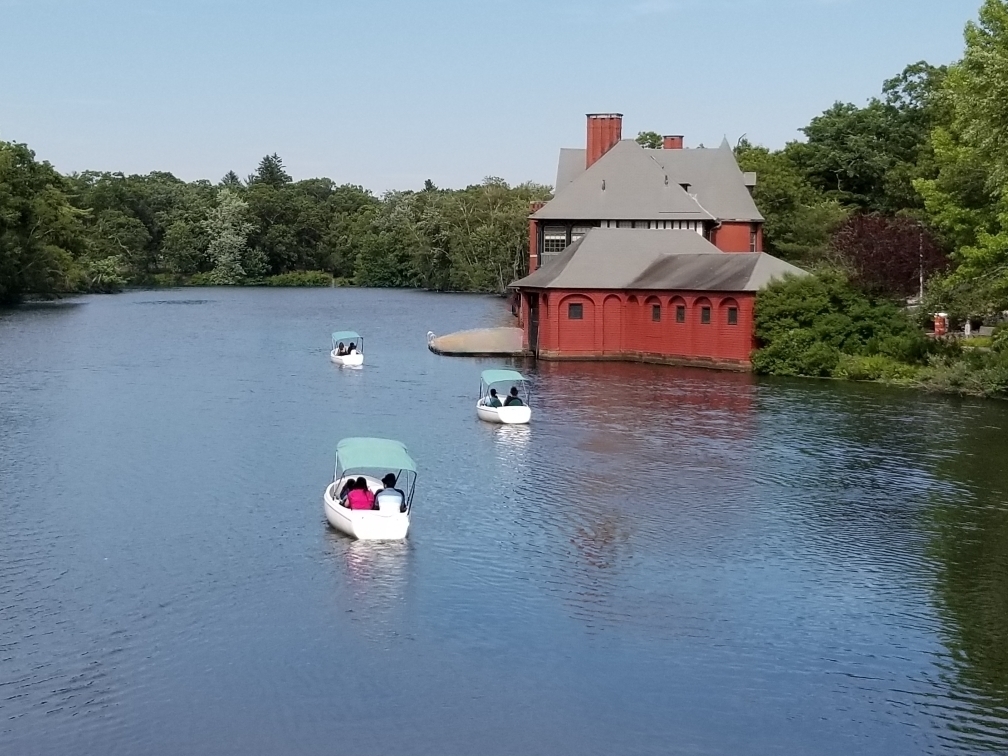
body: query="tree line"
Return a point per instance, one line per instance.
(101, 231)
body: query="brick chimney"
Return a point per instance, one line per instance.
(604, 131)
(672, 142)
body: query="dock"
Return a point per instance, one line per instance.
(478, 342)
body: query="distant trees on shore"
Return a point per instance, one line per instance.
(101, 231)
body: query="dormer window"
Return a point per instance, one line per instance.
(685, 187)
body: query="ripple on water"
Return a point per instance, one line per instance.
(664, 555)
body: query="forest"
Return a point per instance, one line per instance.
(98, 232)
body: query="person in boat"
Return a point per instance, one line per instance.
(352, 349)
(340, 350)
(360, 497)
(513, 400)
(349, 486)
(390, 492)
(492, 400)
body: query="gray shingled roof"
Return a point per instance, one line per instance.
(570, 166)
(713, 175)
(609, 258)
(624, 184)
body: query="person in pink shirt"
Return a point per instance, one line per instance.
(360, 497)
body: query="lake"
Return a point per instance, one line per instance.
(666, 560)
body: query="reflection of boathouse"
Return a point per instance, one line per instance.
(645, 254)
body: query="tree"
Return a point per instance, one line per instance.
(228, 230)
(40, 232)
(799, 218)
(979, 88)
(231, 181)
(270, 172)
(869, 157)
(650, 139)
(968, 198)
(886, 255)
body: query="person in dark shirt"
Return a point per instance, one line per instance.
(492, 400)
(514, 400)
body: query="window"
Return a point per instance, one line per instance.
(733, 316)
(680, 313)
(575, 311)
(705, 315)
(554, 241)
(752, 239)
(656, 313)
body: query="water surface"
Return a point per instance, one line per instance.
(667, 560)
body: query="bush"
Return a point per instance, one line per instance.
(300, 278)
(797, 352)
(200, 279)
(805, 325)
(876, 367)
(976, 374)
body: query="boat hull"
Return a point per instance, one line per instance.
(504, 415)
(364, 524)
(347, 360)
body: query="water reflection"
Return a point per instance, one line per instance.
(373, 575)
(970, 543)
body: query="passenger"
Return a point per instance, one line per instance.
(514, 400)
(352, 349)
(492, 400)
(361, 497)
(340, 350)
(349, 486)
(390, 493)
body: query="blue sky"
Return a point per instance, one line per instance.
(388, 93)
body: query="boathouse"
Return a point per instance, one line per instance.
(645, 254)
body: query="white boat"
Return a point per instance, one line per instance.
(347, 349)
(512, 414)
(372, 459)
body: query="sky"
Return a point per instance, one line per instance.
(388, 93)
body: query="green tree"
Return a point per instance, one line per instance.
(799, 217)
(40, 232)
(228, 230)
(869, 157)
(271, 172)
(650, 139)
(979, 89)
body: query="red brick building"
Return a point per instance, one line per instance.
(645, 254)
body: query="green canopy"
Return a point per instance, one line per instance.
(345, 335)
(371, 453)
(490, 377)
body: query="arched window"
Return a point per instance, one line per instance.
(704, 306)
(677, 306)
(730, 309)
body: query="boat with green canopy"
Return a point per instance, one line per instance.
(371, 495)
(347, 349)
(510, 409)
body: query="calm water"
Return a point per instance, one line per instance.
(666, 561)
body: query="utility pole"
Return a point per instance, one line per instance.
(920, 261)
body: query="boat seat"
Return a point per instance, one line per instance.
(389, 501)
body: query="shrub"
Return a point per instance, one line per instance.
(976, 374)
(200, 279)
(805, 324)
(797, 352)
(300, 278)
(875, 367)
